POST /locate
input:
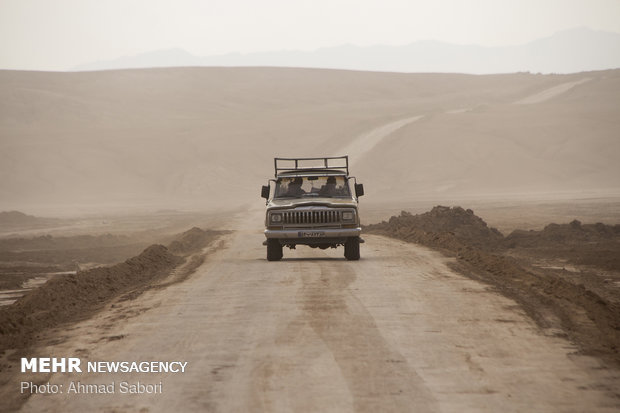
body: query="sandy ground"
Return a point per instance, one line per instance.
(396, 331)
(133, 140)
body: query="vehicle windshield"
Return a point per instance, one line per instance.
(312, 186)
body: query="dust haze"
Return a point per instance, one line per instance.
(203, 138)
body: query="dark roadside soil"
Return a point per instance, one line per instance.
(566, 276)
(34, 249)
(25, 258)
(73, 297)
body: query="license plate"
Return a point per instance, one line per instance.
(310, 234)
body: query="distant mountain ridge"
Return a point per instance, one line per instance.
(569, 51)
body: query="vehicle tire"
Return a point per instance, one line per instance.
(352, 249)
(274, 250)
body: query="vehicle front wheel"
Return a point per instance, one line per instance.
(352, 249)
(274, 250)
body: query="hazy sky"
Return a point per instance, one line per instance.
(60, 34)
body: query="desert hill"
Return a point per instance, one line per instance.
(205, 137)
(559, 145)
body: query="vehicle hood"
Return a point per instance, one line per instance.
(328, 202)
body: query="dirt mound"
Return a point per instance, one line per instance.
(590, 319)
(442, 227)
(22, 259)
(452, 229)
(193, 240)
(74, 296)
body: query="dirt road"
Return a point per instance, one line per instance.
(396, 331)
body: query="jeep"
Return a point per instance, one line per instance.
(310, 202)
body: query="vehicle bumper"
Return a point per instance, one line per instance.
(317, 233)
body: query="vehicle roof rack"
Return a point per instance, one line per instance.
(330, 163)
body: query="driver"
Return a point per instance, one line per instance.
(294, 188)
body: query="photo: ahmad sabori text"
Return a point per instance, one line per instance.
(78, 387)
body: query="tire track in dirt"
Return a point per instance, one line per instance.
(551, 92)
(365, 142)
(379, 378)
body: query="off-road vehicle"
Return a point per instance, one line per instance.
(310, 202)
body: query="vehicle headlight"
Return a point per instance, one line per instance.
(348, 216)
(276, 218)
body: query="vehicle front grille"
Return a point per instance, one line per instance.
(326, 217)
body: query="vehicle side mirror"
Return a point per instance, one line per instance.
(359, 190)
(264, 193)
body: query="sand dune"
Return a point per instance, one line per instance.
(205, 137)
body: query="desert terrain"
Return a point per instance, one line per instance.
(139, 237)
(203, 138)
